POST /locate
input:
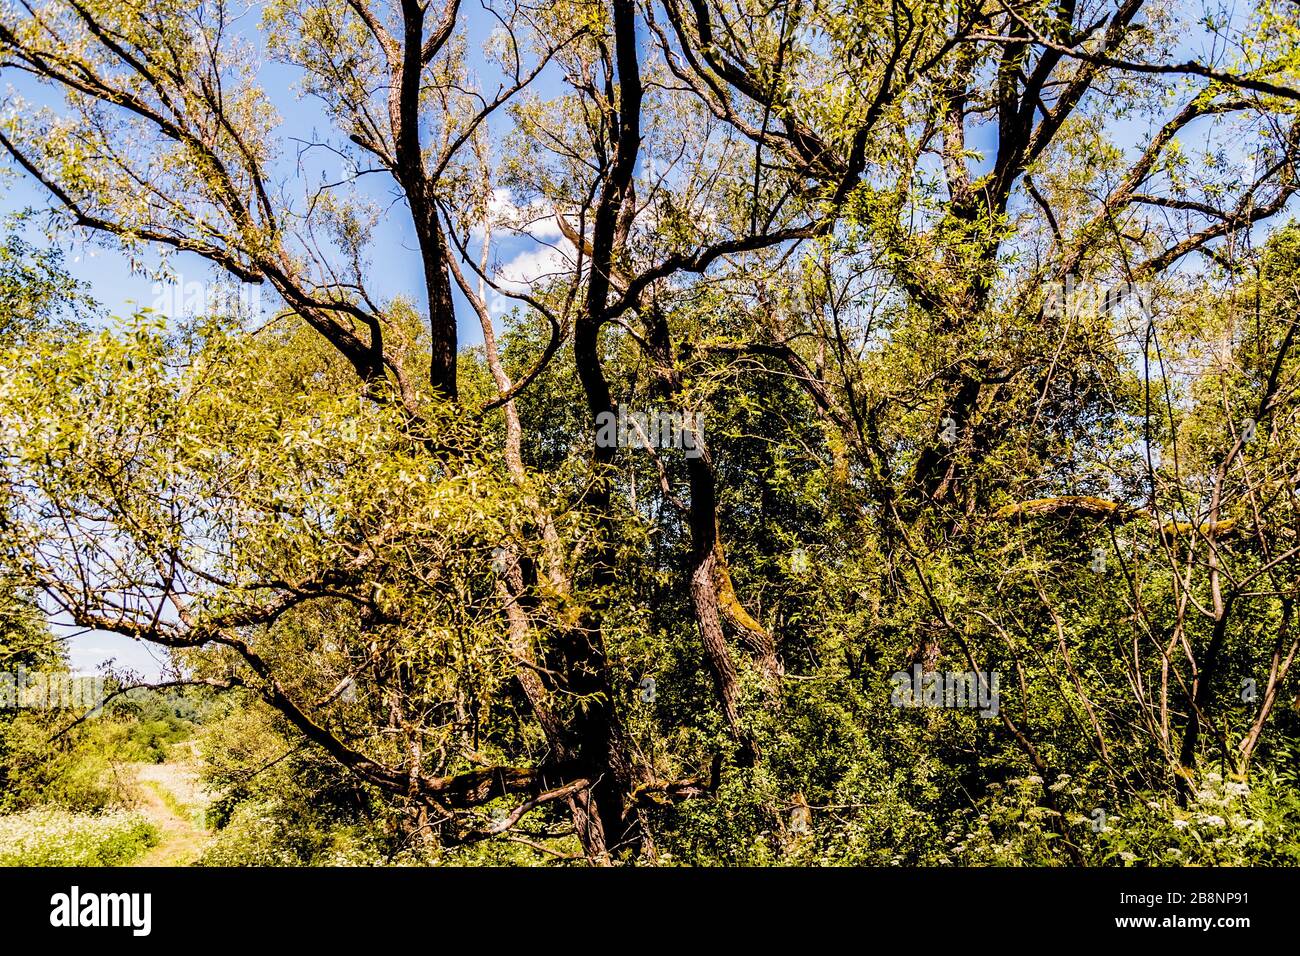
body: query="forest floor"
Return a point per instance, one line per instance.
(174, 802)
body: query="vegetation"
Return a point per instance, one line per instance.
(981, 317)
(58, 838)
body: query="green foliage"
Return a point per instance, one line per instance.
(420, 605)
(54, 757)
(45, 837)
(280, 803)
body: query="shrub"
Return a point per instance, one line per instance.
(51, 837)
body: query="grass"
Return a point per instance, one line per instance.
(195, 815)
(50, 837)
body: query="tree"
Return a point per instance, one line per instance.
(742, 194)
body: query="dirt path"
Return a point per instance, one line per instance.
(171, 800)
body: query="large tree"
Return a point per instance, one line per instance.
(858, 207)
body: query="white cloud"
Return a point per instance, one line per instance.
(508, 217)
(541, 263)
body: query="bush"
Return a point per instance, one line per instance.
(272, 834)
(79, 771)
(50, 837)
(84, 769)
